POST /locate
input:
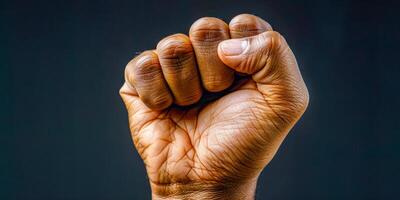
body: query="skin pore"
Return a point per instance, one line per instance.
(209, 110)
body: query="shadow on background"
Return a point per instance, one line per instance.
(66, 135)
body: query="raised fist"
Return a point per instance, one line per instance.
(208, 110)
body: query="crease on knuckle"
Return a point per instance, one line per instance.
(209, 30)
(142, 64)
(208, 36)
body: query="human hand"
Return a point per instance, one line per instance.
(208, 111)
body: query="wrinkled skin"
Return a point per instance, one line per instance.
(219, 138)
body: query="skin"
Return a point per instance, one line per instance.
(208, 111)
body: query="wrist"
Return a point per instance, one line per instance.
(217, 191)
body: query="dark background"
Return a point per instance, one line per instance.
(64, 128)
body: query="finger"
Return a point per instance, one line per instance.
(246, 25)
(179, 68)
(250, 54)
(205, 35)
(268, 58)
(145, 75)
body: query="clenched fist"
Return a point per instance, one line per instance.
(208, 110)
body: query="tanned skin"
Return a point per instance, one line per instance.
(208, 110)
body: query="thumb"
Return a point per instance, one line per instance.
(250, 54)
(272, 65)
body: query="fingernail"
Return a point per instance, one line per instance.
(233, 47)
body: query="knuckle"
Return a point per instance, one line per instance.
(273, 35)
(175, 52)
(145, 59)
(248, 25)
(147, 73)
(209, 29)
(174, 46)
(142, 66)
(272, 40)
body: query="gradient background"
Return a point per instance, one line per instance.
(64, 128)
